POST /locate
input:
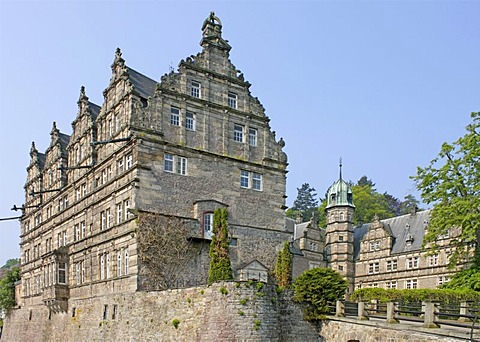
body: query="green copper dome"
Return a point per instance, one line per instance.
(340, 193)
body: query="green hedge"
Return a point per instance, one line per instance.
(415, 295)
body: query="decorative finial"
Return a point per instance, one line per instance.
(118, 58)
(33, 149)
(340, 168)
(83, 97)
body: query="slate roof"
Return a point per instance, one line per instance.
(400, 227)
(95, 109)
(142, 84)
(41, 160)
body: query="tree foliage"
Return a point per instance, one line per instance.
(452, 184)
(305, 203)
(467, 279)
(220, 266)
(319, 288)
(283, 267)
(7, 288)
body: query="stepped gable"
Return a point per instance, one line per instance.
(407, 230)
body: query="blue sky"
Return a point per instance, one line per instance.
(381, 84)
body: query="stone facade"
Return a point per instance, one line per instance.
(194, 142)
(221, 312)
(384, 253)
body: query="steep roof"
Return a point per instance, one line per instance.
(409, 227)
(142, 84)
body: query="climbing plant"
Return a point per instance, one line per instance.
(283, 267)
(220, 266)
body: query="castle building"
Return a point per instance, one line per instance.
(125, 203)
(181, 148)
(384, 253)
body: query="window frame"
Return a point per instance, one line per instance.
(190, 121)
(232, 100)
(244, 176)
(174, 116)
(252, 136)
(196, 89)
(207, 225)
(239, 133)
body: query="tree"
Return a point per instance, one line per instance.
(409, 203)
(283, 267)
(452, 184)
(220, 266)
(7, 288)
(163, 250)
(305, 203)
(368, 202)
(319, 288)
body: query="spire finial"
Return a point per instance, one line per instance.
(340, 168)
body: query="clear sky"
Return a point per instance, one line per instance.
(381, 84)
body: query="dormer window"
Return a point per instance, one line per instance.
(409, 239)
(333, 197)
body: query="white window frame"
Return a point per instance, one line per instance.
(181, 165)
(126, 207)
(208, 225)
(190, 121)
(107, 267)
(252, 136)
(119, 263)
(120, 166)
(82, 230)
(109, 217)
(102, 266)
(128, 161)
(119, 213)
(126, 264)
(62, 271)
(196, 89)
(168, 162)
(174, 116)
(244, 179)
(103, 220)
(257, 181)
(238, 133)
(232, 100)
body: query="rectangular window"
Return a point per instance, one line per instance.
(126, 207)
(65, 200)
(77, 273)
(232, 100)
(245, 179)
(175, 116)
(104, 176)
(107, 266)
(195, 89)
(190, 121)
(377, 245)
(126, 261)
(62, 273)
(103, 220)
(119, 213)
(252, 136)
(109, 218)
(119, 263)
(411, 284)
(181, 165)
(412, 262)
(102, 266)
(208, 225)
(433, 260)
(77, 194)
(238, 133)
(82, 264)
(372, 246)
(59, 240)
(82, 225)
(256, 181)
(110, 172)
(76, 232)
(128, 161)
(373, 267)
(119, 166)
(117, 122)
(168, 162)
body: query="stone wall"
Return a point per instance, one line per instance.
(371, 331)
(221, 312)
